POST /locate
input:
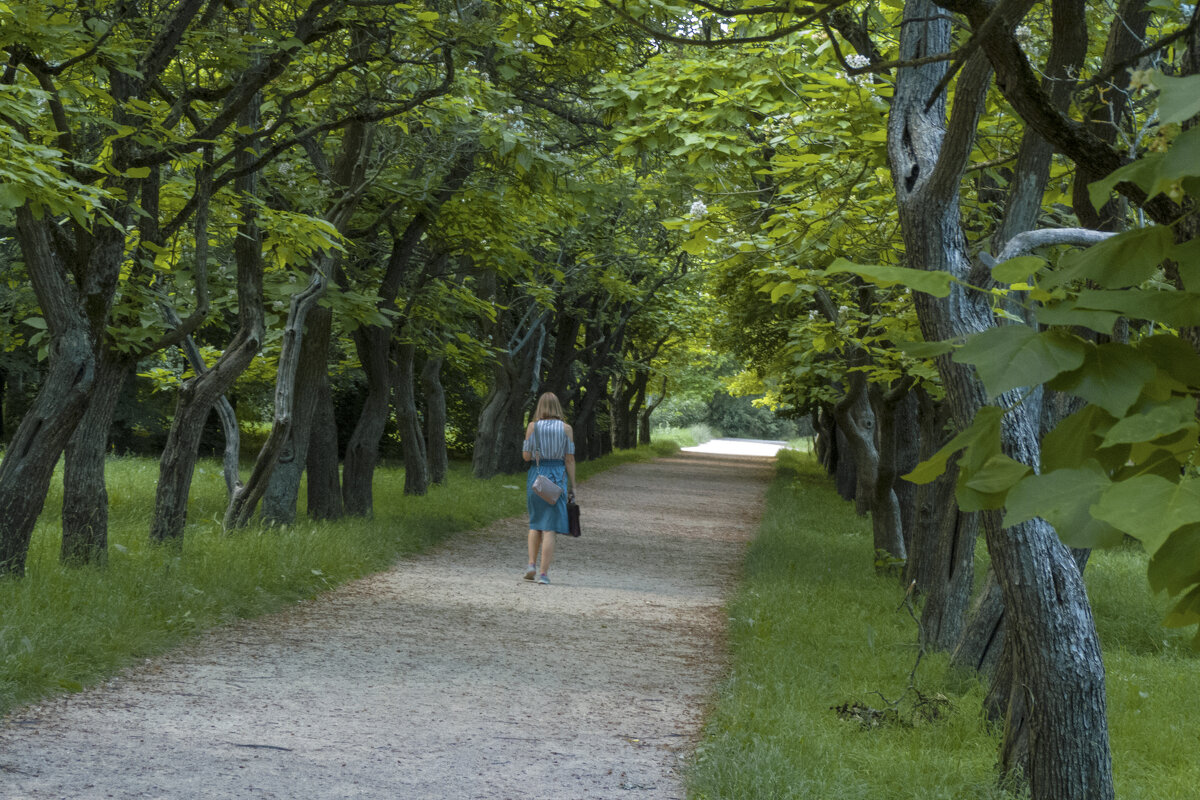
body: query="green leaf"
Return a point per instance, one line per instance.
(11, 196)
(543, 40)
(1170, 307)
(1112, 377)
(1143, 172)
(1063, 498)
(931, 282)
(1186, 256)
(1158, 422)
(1173, 356)
(984, 430)
(1069, 314)
(1015, 270)
(998, 474)
(1178, 98)
(1186, 612)
(1150, 508)
(1176, 565)
(924, 349)
(1074, 441)
(137, 172)
(1016, 355)
(1126, 259)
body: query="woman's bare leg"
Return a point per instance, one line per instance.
(535, 544)
(547, 551)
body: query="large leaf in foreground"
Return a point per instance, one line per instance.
(931, 282)
(1111, 377)
(1016, 355)
(1063, 498)
(1150, 508)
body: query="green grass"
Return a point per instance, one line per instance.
(63, 628)
(812, 627)
(691, 436)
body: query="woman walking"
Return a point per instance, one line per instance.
(550, 445)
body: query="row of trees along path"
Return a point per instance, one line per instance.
(512, 197)
(445, 677)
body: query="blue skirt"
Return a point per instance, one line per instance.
(542, 515)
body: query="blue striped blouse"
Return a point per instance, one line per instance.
(551, 438)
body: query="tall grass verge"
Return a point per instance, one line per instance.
(691, 436)
(817, 701)
(62, 628)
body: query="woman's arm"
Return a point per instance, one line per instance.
(569, 460)
(525, 454)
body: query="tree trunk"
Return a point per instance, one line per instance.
(875, 468)
(85, 498)
(908, 455)
(412, 440)
(283, 490)
(245, 498)
(932, 502)
(362, 451)
(436, 456)
(846, 473)
(952, 563)
(980, 647)
(197, 396)
(46, 428)
(644, 417)
(485, 461)
(1056, 651)
(324, 480)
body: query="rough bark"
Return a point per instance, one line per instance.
(920, 568)
(874, 461)
(412, 439)
(907, 455)
(982, 641)
(362, 451)
(245, 498)
(436, 456)
(85, 498)
(324, 478)
(845, 473)
(283, 489)
(948, 592)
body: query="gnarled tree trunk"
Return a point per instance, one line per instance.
(197, 396)
(362, 451)
(437, 459)
(1055, 647)
(324, 478)
(48, 425)
(412, 439)
(85, 498)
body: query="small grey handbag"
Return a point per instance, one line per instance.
(546, 489)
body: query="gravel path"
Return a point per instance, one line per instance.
(445, 677)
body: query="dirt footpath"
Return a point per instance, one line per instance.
(446, 677)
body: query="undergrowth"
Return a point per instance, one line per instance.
(822, 700)
(65, 628)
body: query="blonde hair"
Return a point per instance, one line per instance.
(548, 407)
